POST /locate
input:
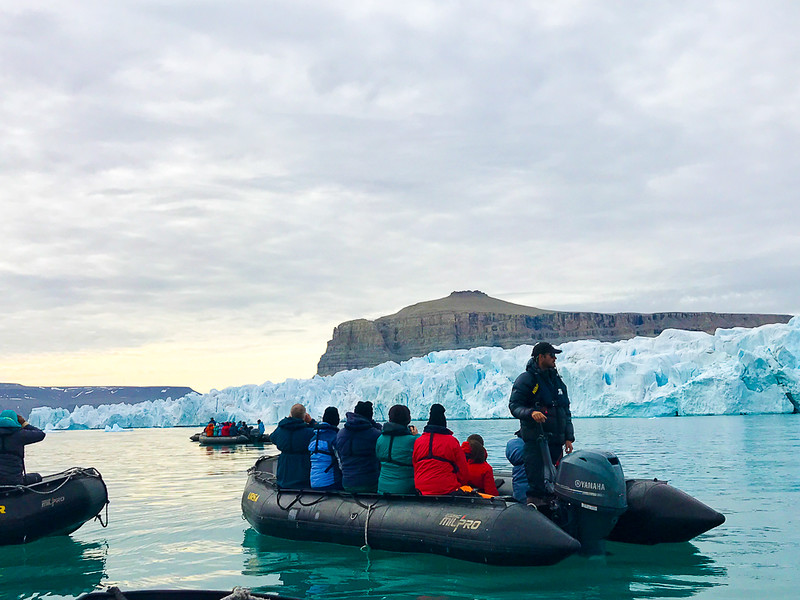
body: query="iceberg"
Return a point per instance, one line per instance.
(733, 371)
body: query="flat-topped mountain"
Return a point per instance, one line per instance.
(470, 319)
(22, 398)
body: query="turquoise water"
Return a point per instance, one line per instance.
(175, 521)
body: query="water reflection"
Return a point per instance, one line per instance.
(314, 570)
(59, 566)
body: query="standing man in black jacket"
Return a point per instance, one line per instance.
(539, 400)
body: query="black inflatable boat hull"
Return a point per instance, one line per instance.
(492, 531)
(659, 513)
(58, 505)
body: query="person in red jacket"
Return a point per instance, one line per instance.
(481, 475)
(226, 429)
(440, 466)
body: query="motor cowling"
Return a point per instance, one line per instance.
(591, 491)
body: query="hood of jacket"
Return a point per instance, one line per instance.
(292, 423)
(395, 429)
(356, 422)
(533, 367)
(437, 429)
(326, 427)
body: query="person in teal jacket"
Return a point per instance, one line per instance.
(393, 449)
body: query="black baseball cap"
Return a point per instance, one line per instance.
(544, 348)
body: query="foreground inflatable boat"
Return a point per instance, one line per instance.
(115, 593)
(57, 505)
(594, 503)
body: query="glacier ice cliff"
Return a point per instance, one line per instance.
(734, 371)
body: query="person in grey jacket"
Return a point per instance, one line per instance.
(539, 400)
(15, 434)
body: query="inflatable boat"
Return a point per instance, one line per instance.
(593, 503)
(57, 505)
(256, 438)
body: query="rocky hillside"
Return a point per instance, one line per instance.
(22, 398)
(471, 318)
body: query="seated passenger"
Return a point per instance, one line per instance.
(15, 434)
(393, 449)
(225, 431)
(217, 429)
(325, 471)
(481, 475)
(439, 464)
(519, 478)
(233, 430)
(209, 431)
(355, 446)
(291, 437)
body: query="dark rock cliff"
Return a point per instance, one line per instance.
(469, 319)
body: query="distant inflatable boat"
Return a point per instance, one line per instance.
(231, 440)
(594, 503)
(57, 505)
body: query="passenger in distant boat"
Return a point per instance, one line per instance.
(209, 431)
(355, 446)
(292, 436)
(233, 430)
(261, 427)
(15, 434)
(481, 475)
(325, 471)
(217, 429)
(225, 431)
(394, 449)
(440, 466)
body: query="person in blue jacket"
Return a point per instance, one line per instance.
(291, 436)
(515, 453)
(15, 434)
(355, 445)
(261, 428)
(325, 471)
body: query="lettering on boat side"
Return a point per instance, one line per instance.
(52, 501)
(252, 496)
(590, 485)
(459, 522)
(2, 509)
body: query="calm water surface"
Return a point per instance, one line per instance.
(175, 521)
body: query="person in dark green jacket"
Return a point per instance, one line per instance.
(393, 449)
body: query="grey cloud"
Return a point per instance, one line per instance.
(169, 162)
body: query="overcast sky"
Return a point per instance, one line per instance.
(196, 193)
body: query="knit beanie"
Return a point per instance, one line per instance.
(331, 416)
(437, 416)
(364, 409)
(400, 414)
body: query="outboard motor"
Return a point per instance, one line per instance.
(590, 488)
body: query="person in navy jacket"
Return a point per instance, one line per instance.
(291, 436)
(355, 446)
